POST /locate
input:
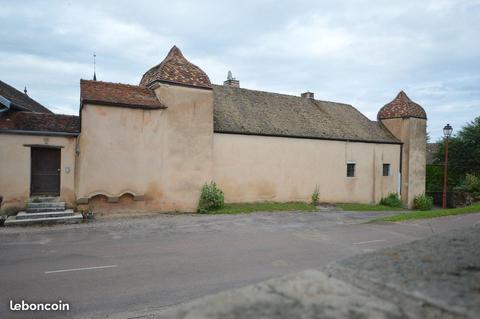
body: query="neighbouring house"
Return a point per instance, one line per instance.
(151, 147)
(34, 144)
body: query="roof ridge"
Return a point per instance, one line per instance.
(116, 83)
(282, 94)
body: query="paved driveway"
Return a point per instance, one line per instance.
(128, 267)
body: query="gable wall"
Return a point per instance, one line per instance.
(162, 157)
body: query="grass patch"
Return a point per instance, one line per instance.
(240, 208)
(430, 214)
(367, 207)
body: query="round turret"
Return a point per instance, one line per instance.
(401, 107)
(176, 69)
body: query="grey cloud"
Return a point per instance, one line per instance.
(358, 52)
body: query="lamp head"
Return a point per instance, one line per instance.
(447, 130)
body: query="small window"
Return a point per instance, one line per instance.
(386, 169)
(350, 169)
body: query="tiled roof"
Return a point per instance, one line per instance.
(21, 99)
(401, 106)
(117, 94)
(40, 122)
(178, 70)
(249, 112)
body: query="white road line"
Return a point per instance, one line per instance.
(78, 269)
(368, 242)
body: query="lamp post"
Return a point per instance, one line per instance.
(447, 132)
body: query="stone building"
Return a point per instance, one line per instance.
(151, 147)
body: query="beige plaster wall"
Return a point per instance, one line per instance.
(412, 132)
(256, 168)
(163, 155)
(15, 168)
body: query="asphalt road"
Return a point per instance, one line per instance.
(125, 268)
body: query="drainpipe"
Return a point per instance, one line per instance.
(400, 171)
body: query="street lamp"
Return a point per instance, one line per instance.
(447, 132)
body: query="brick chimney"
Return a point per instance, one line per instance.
(308, 95)
(231, 81)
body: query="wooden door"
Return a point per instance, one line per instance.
(45, 179)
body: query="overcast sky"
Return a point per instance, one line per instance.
(357, 52)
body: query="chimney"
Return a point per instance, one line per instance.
(308, 95)
(231, 81)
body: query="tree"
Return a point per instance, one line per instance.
(463, 149)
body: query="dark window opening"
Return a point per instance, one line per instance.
(350, 169)
(386, 169)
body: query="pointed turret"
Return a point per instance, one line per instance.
(401, 107)
(176, 69)
(407, 121)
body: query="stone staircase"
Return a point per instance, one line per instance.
(44, 210)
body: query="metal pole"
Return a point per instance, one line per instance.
(445, 176)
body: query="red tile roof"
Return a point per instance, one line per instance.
(117, 94)
(178, 70)
(401, 106)
(40, 122)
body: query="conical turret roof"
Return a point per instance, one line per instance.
(400, 107)
(176, 69)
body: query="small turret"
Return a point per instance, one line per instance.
(176, 69)
(407, 121)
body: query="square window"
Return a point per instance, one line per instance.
(350, 169)
(386, 169)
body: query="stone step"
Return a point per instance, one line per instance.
(30, 210)
(44, 199)
(12, 221)
(64, 213)
(46, 204)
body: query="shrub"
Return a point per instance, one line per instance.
(423, 202)
(434, 178)
(392, 200)
(211, 198)
(471, 184)
(316, 196)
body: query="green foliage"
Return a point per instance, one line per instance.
(434, 178)
(366, 207)
(470, 184)
(463, 149)
(211, 198)
(316, 196)
(475, 208)
(241, 208)
(10, 210)
(392, 200)
(423, 202)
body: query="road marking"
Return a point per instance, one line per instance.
(368, 242)
(78, 269)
